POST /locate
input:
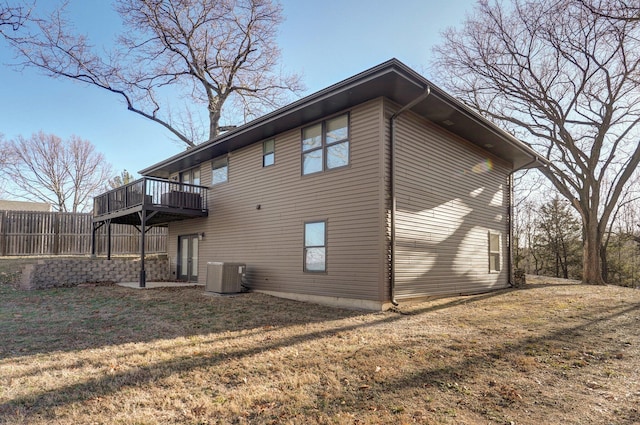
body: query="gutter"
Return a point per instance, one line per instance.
(392, 141)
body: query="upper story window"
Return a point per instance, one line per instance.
(326, 145)
(268, 153)
(191, 176)
(220, 170)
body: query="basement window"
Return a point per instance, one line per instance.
(494, 252)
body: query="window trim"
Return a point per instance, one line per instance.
(305, 246)
(213, 169)
(265, 153)
(492, 253)
(323, 148)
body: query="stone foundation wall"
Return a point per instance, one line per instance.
(64, 272)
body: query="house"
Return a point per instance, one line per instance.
(24, 206)
(379, 189)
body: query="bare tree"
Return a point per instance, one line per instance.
(627, 10)
(122, 179)
(46, 168)
(219, 55)
(566, 79)
(4, 157)
(4, 161)
(12, 17)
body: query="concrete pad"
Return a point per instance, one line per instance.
(230, 294)
(155, 285)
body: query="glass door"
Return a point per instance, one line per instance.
(188, 258)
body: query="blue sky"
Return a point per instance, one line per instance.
(324, 40)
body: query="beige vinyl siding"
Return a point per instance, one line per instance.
(448, 200)
(270, 239)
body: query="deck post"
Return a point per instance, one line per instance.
(109, 239)
(143, 225)
(93, 239)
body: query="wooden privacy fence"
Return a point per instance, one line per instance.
(57, 233)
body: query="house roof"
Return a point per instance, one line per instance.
(391, 79)
(24, 206)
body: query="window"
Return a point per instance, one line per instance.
(494, 252)
(325, 145)
(268, 153)
(220, 170)
(191, 176)
(315, 247)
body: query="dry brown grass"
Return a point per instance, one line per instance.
(548, 353)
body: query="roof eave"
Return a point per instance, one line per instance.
(391, 79)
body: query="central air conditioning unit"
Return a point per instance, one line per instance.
(225, 278)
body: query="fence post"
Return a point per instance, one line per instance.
(3, 233)
(56, 233)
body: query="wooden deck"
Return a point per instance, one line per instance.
(146, 203)
(162, 201)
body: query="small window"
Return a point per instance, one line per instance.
(315, 247)
(220, 171)
(312, 152)
(268, 153)
(325, 145)
(494, 252)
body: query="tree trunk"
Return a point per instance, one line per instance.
(591, 264)
(605, 263)
(215, 112)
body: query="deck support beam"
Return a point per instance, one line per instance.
(143, 229)
(94, 228)
(143, 226)
(109, 239)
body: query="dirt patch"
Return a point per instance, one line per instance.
(547, 353)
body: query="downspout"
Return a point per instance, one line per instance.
(510, 219)
(392, 265)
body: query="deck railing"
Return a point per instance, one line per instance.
(150, 191)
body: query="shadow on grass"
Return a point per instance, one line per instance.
(468, 369)
(281, 313)
(70, 319)
(245, 313)
(454, 302)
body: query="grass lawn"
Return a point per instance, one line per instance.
(551, 353)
